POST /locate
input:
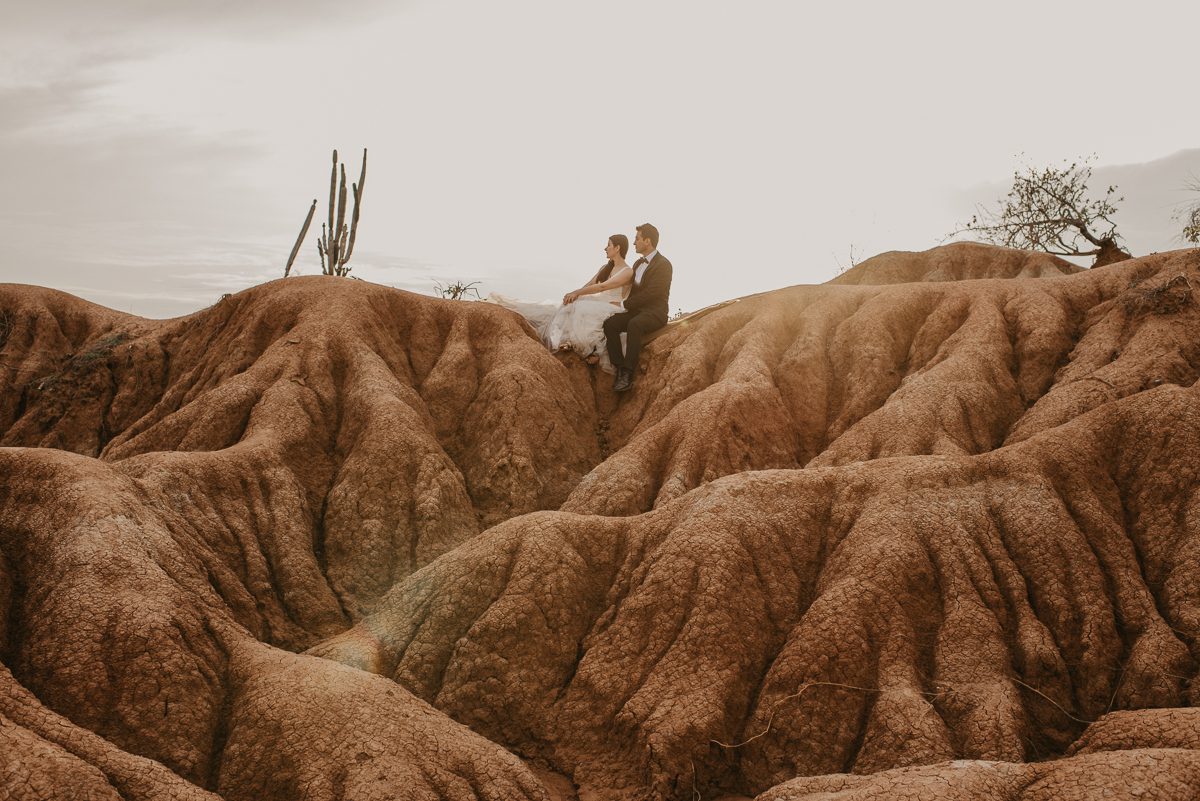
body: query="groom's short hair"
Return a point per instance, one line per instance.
(648, 231)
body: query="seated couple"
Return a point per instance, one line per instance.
(619, 299)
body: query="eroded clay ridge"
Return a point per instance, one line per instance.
(272, 470)
(787, 623)
(960, 261)
(814, 376)
(331, 427)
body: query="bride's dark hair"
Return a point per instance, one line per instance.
(622, 243)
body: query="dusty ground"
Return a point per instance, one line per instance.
(920, 533)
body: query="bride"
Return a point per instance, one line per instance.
(577, 324)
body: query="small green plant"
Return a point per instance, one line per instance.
(1166, 297)
(101, 349)
(6, 325)
(456, 291)
(80, 363)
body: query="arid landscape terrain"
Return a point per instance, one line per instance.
(930, 530)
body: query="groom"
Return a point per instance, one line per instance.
(645, 308)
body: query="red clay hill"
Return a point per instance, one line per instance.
(930, 531)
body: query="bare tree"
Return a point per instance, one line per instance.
(1049, 210)
(854, 260)
(1190, 214)
(1191, 228)
(457, 291)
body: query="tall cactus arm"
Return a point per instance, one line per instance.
(358, 188)
(300, 239)
(341, 219)
(332, 195)
(322, 249)
(342, 268)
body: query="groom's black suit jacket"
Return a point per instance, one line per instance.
(652, 294)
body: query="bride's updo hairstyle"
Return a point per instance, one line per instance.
(622, 243)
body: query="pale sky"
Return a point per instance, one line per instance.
(158, 154)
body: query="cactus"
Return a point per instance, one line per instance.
(337, 239)
(300, 239)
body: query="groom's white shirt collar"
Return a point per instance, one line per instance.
(641, 270)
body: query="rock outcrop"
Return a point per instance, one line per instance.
(328, 540)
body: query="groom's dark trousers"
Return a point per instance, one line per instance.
(635, 326)
(645, 311)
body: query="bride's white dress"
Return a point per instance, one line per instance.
(577, 325)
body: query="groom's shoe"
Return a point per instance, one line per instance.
(624, 380)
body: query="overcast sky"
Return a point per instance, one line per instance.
(159, 154)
